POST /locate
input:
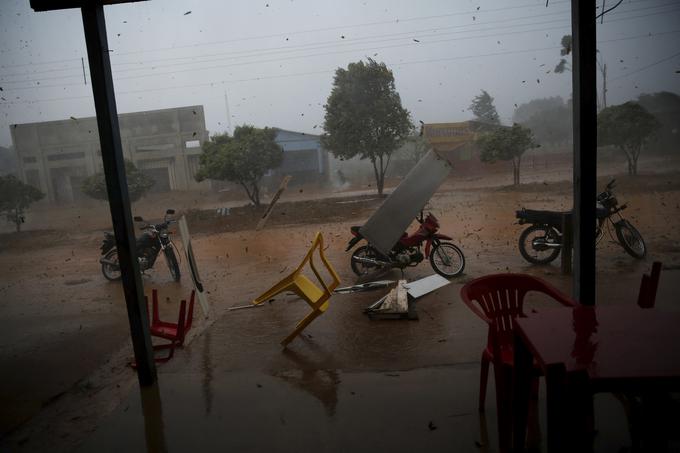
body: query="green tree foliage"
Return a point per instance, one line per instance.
(665, 106)
(138, 184)
(15, 197)
(563, 65)
(243, 158)
(628, 127)
(418, 147)
(483, 109)
(550, 119)
(506, 143)
(8, 161)
(364, 116)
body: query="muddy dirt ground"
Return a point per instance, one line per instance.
(62, 321)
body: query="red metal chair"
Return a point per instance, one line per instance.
(174, 332)
(501, 299)
(648, 287)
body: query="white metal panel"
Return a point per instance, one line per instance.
(425, 285)
(389, 222)
(195, 277)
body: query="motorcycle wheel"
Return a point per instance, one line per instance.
(172, 263)
(542, 254)
(111, 272)
(447, 260)
(630, 239)
(365, 251)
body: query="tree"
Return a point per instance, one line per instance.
(665, 106)
(483, 109)
(364, 116)
(138, 183)
(8, 161)
(243, 158)
(550, 119)
(563, 65)
(419, 147)
(15, 197)
(628, 127)
(506, 143)
(535, 106)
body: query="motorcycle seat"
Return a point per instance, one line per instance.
(355, 229)
(541, 216)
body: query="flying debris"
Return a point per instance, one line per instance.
(187, 13)
(74, 118)
(415, 40)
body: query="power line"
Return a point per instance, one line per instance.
(154, 74)
(330, 28)
(223, 82)
(298, 32)
(663, 60)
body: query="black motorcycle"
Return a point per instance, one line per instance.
(152, 242)
(542, 241)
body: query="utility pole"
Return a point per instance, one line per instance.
(604, 86)
(226, 107)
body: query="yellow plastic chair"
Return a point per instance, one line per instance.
(317, 297)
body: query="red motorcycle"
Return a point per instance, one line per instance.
(446, 259)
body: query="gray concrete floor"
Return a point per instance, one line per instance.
(348, 384)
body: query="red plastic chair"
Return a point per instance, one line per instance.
(648, 287)
(500, 298)
(174, 332)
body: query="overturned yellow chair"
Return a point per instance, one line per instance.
(317, 297)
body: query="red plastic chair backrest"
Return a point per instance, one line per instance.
(499, 298)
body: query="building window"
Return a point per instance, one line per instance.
(192, 144)
(30, 160)
(65, 156)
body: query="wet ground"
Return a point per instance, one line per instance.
(65, 340)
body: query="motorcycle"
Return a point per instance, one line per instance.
(150, 244)
(542, 241)
(446, 259)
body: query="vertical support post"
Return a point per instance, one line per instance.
(567, 242)
(116, 187)
(584, 70)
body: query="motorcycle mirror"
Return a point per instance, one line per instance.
(170, 212)
(138, 218)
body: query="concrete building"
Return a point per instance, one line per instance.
(56, 156)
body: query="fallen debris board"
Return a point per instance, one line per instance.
(395, 305)
(191, 261)
(384, 228)
(270, 208)
(368, 286)
(419, 288)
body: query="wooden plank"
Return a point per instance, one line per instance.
(270, 208)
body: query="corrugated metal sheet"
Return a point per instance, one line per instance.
(389, 222)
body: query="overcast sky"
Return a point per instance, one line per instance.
(275, 59)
